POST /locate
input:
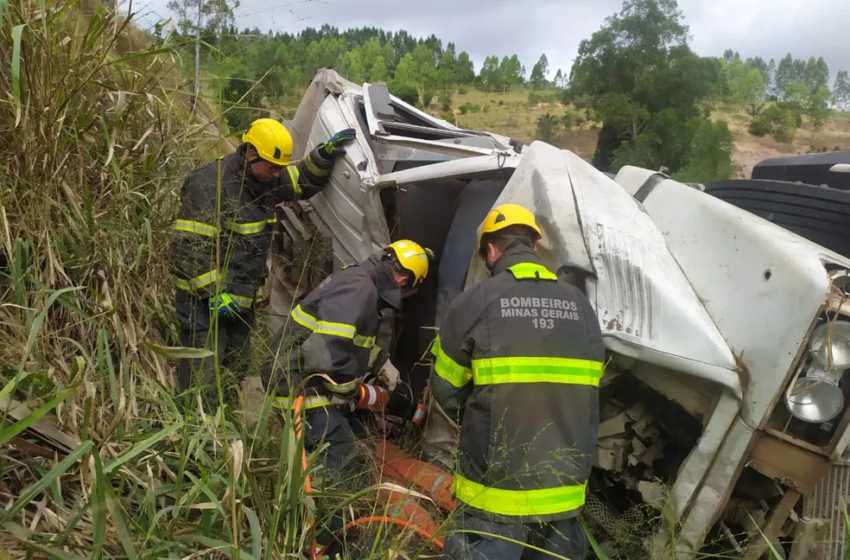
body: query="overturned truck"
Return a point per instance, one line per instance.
(723, 402)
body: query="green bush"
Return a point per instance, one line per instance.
(760, 126)
(463, 90)
(407, 93)
(778, 122)
(470, 108)
(450, 117)
(486, 109)
(533, 99)
(567, 121)
(710, 157)
(501, 102)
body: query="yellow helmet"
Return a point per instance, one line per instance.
(505, 216)
(412, 257)
(271, 140)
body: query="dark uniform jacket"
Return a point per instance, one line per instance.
(518, 362)
(332, 332)
(243, 225)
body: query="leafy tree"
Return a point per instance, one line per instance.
(465, 70)
(447, 69)
(796, 95)
(194, 16)
(626, 116)
(818, 106)
(539, 72)
(560, 81)
(759, 64)
(746, 86)
(378, 72)
(770, 83)
(785, 75)
(352, 66)
(841, 89)
(491, 76)
(644, 82)
(816, 74)
(511, 72)
(710, 157)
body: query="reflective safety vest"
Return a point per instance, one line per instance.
(518, 362)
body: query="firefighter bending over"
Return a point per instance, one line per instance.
(223, 232)
(329, 345)
(518, 363)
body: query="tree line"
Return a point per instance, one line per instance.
(637, 77)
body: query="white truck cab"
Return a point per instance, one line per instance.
(723, 400)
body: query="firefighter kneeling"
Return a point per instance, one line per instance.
(523, 385)
(328, 344)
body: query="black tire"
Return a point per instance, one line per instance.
(818, 214)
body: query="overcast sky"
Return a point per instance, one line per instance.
(767, 28)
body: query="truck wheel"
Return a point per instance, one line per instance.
(818, 214)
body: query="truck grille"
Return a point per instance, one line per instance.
(826, 502)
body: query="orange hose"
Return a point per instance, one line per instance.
(439, 543)
(395, 521)
(308, 487)
(431, 479)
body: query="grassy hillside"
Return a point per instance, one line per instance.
(510, 114)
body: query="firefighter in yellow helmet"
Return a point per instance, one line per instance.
(517, 364)
(332, 332)
(222, 235)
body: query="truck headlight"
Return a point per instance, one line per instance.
(816, 397)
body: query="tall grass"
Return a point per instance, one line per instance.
(96, 458)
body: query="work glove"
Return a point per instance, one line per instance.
(389, 375)
(333, 147)
(224, 306)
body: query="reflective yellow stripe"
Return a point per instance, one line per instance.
(335, 329)
(314, 169)
(204, 279)
(545, 501)
(302, 318)
(492, 371)
(195, 227)
(271, 221)
(295, 175)
(364, 341)
(198, 282)
(250, 228)
(242, 300)
(340, 387)
(373, 355)
(332, 329)
(524, 271)
(449, 369)
(182, 284)
(261, 291)
(314, 401)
